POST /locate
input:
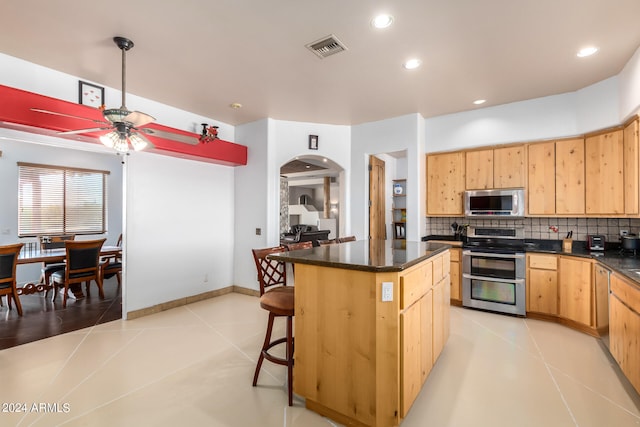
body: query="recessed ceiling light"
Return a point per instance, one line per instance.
(235, 105)
(587, 51)
(382, 21)
(479, 101)
(412, 64)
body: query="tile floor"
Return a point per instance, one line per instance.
(192, 366)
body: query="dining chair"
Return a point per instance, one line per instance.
(8, 263)
(346, 239)
(326, 242)
(83, 265)
(52, 242)
(278, 299)
(112, 265)
(298, 245)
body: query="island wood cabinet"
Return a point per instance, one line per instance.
(445, 183)
(502, 167)
(542, 284)
(424, 324)
(604, 173)
(360, 360)
(624, 327)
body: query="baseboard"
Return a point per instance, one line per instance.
(135, 314)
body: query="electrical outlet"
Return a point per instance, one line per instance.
(258, 231)
(387, 291)
(206, 278)
(624, 232)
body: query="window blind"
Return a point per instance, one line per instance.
(60, 200)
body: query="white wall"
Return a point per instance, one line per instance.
(592, 108)
(179, 229)
(385, 136)
(629, 91)
(291, 139)
(25, 147)
(251, 205)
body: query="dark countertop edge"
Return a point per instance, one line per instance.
(360, 267)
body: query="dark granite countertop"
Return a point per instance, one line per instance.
(365, 255)
(624, 263)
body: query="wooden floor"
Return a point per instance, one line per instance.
(43, 318)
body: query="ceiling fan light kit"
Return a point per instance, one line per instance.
(125, 126)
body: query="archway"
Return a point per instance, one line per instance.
(312, 193)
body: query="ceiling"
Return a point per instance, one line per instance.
(203, 55)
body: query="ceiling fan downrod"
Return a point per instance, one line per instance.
(124, 44)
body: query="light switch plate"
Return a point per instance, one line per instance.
(387, 291)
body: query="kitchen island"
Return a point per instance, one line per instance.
(371, 318)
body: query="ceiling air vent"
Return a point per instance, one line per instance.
(326, 46)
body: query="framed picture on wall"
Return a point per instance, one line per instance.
(313, 142)
(90, 94)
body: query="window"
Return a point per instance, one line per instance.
(61, 200)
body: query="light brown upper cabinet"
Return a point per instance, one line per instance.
(542, 179)
(570, 177)
(631, 168)
(604, 177)
(495, 168)
(445, 183)
(479, 168)
(556, 177)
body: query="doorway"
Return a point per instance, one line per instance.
(310, 194)
(377, 227)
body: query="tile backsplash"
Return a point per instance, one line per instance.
(543, 228)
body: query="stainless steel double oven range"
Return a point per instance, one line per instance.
(493, 270)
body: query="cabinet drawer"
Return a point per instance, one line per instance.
(626, 292)
(455, 254)
(415, 283)
(543, 262)
(438, 268)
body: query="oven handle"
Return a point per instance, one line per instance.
(492, 279)
(518, 255)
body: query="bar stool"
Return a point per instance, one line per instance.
(278, 299)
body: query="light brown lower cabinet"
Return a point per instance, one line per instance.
(542, 284)
(456, 274)
(575, 290)
(624, 327)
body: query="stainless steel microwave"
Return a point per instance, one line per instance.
(507, 202)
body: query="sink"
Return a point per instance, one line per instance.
(634, 270)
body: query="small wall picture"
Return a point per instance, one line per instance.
(90, 94)
(313, 142)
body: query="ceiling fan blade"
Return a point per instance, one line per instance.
(185, 139)
(138, 118)
(38, 110)
(75, 132)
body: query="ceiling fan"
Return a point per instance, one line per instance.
(126, 127)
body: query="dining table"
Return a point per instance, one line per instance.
(34, 254)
